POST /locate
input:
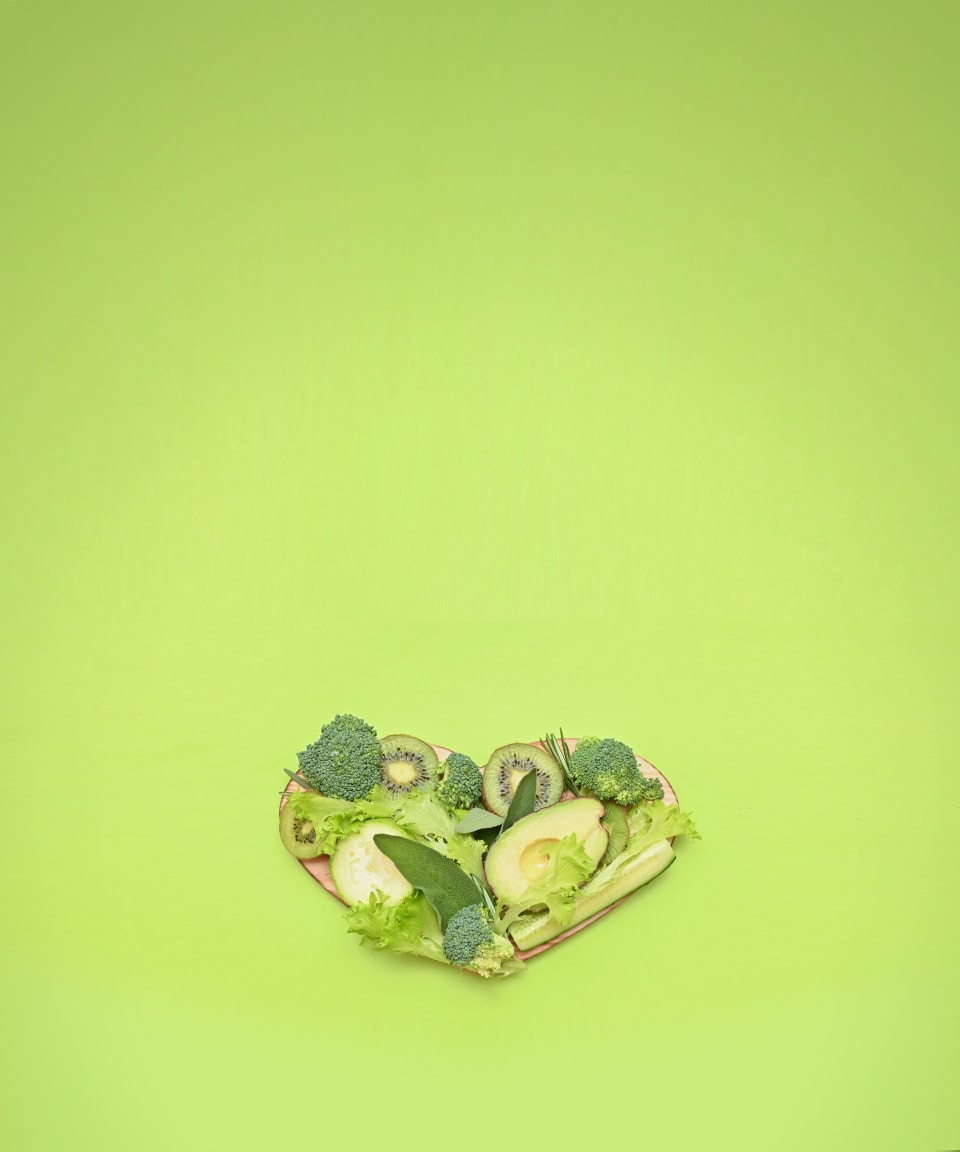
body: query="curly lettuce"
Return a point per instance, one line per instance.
(410, 927)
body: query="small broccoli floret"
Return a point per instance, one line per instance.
(470, 942)
(652, 788)
(610, 770)
(345, 761)
(461, 783)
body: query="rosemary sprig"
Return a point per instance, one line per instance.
(559, 751)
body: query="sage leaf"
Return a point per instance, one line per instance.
(523, 800)
(478, 818)
(446, 886)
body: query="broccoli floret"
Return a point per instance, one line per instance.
(470, 942)
(345, 761)
(652, 788)
(610, 770)
(461, 783)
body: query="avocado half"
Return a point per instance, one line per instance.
(517, 858)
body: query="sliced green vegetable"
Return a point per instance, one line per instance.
(532, 931)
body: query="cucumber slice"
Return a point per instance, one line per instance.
(532, 931)
(359, 868)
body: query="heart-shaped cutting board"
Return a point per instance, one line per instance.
(319, 866)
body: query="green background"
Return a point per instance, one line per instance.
(480, 369)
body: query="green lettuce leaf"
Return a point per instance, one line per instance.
(468, 853)
(431, 821)
(379, 805)
(655, 820)
(410, 927)
(426, 816)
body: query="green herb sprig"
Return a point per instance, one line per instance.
(559, 751)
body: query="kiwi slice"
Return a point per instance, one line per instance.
(297, 834)
(507, 767)
(406, 763)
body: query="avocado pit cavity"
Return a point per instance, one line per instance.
(535, 858)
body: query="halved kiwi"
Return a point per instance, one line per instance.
(507, 767)
(406, 763)
(297, 834)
